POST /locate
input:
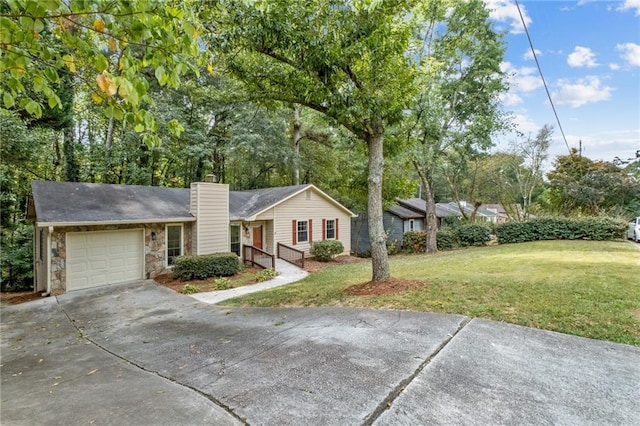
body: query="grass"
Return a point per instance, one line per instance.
(584, 288)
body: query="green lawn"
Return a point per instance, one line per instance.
(586, 288)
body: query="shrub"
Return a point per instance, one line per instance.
(414, 241)
(323, 251)
(561, 228)
(221, 284)
(473, 234)
(266, 275)
(447, 239)
(16, 258)
(189, 289)
(201, 267)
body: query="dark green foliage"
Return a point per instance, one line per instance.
(17, 255)
(414, 241)
(473, 234)
(323, 251)
(561, 228)
(201, 267)
(447, 239)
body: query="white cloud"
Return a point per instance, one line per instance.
(528, 55)
(614, 67)
(583, 91)
(630, 5)
(511, 99)
(506, 11)
(525, 124)
(630, 53)
(582, 57)
(523, 79)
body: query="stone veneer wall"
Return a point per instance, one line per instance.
(154, 250)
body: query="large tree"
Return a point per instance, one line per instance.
(115, 47)
(346, 59)
(456, 110)
(581, 186)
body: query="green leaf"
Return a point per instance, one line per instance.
(38, 26)
(161, 75)
(139, 128)
(102, 63)
(8, 100)
(33, 108)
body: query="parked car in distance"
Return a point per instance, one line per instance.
(633, 231)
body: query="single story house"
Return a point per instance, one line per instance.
(410, 215)
(89, 235)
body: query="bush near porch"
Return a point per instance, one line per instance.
(202, 267)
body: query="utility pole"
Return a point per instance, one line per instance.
(580, 150)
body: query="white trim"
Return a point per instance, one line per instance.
(166, 242)
(326, 228)
(116, 222)
(49, 261)
(239, 225)
(298, 231)
(305, 188)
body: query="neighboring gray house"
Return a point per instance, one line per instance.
(409, 215)
(88, 235)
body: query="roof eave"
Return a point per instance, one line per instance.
(115, 222)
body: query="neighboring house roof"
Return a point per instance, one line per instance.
(246, 205)
(420, 205)
(405, 213)
(76, 203)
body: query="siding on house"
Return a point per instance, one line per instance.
(393, 226)
(309, 205)
(210, 206)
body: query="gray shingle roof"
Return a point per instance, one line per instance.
(404, 213)
(73, 202)
(245, 204)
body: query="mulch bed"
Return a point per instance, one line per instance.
(392, 285)
(14, 298)
(311, 265)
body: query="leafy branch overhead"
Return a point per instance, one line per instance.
(115, 49)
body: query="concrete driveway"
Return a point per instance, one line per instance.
(144, 355)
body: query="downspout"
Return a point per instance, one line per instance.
(273, 229)
(35, 258)
(49, 260)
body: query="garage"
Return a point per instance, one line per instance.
(98, 258)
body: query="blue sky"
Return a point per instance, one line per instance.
(589, 52)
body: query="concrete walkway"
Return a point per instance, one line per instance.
(288, 274)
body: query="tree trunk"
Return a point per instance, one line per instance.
(377, 235)
(295, 141)
(431, 220)
(71, 168)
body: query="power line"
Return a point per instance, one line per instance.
(535, 57)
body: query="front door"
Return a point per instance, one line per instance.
(257, 237)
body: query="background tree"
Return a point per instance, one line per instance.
(528, 174)
(580, 186)
(456, 110)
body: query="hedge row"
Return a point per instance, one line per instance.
(202, 267)
(448, 238)
(561, 228)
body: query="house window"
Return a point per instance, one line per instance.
(303, 231)
(235, 239)
(331, 230)
(411, 225)
(174, 243)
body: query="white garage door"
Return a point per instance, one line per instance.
(99, 258)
